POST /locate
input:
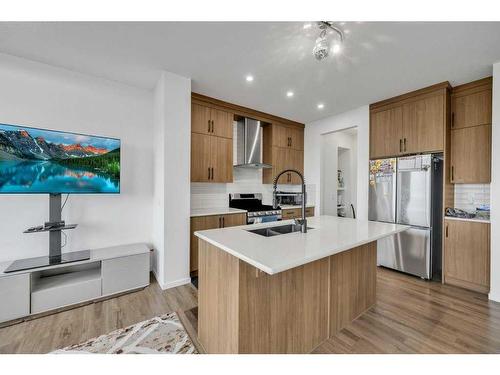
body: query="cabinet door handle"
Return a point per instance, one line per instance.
(223, 222)
(404, 142)
(452, 174)
(212, 126)
(452, 119)
(208, 130)
(212, 172)
(400, 145)
(209, 173)
(446, 230)
(220, 221)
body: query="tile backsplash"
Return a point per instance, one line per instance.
(470, 196)
(245, 180)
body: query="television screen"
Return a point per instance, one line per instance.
(44, 161)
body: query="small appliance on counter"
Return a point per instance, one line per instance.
(256, 211)
(457, 212)
(289, 198)
(482, 212)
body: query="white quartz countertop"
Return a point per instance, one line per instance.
(328, 235)
(216, 211)
(467, 219)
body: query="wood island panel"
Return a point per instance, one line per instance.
(245, 310)
(286, 312)
(353, 284)
(217, 299)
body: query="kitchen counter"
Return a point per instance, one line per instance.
(328, 235)
(475, 220)
(287, 293)
(216, 211)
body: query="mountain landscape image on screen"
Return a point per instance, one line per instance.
(43, 161)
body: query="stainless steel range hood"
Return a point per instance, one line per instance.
(248, 144)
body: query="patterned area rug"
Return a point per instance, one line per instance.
(160, 335)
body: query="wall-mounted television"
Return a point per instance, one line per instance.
(40, 161)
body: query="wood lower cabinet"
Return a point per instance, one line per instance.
(467, 255)
(296, 213)
(471, 155)
(211, 158)
(210, 222)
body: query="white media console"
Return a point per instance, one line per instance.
(109, 271)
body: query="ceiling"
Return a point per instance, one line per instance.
(378, 60)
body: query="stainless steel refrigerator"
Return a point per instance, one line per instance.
(408, 190)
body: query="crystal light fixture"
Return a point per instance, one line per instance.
(322, 46)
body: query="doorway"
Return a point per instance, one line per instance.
(339, 173)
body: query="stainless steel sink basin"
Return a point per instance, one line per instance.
(277, 230)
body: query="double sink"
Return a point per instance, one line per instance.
(277, 230)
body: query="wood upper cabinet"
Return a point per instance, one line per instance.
(211, 158)
(200, 119)
(471, 155)
(386, 132)
(424, 125)
(211, 121)
(283, 149)
(471, 104)
(211, 144)
(287, 137)
(222, 123)
(467, 255)
(409, 124)
(471, 132)
(210, 222)
(222, 159)
(201, 157)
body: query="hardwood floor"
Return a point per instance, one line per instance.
(410, 316)
(416, 316)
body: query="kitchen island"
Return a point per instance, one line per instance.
(285, 293)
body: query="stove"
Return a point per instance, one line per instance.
(256, 211)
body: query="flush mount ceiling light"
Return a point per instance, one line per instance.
(324, 45)
(289, 94)
(249, 78)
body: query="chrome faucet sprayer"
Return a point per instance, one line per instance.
(302, 222)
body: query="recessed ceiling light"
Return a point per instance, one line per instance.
(307, 26)
(249, 78)
(321, 106)
(289, 94)
(336, 48)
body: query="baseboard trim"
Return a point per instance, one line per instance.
(171, 284)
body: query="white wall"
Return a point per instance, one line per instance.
(172, 155)
(495, 188)
(312, 155)
(39, 95)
